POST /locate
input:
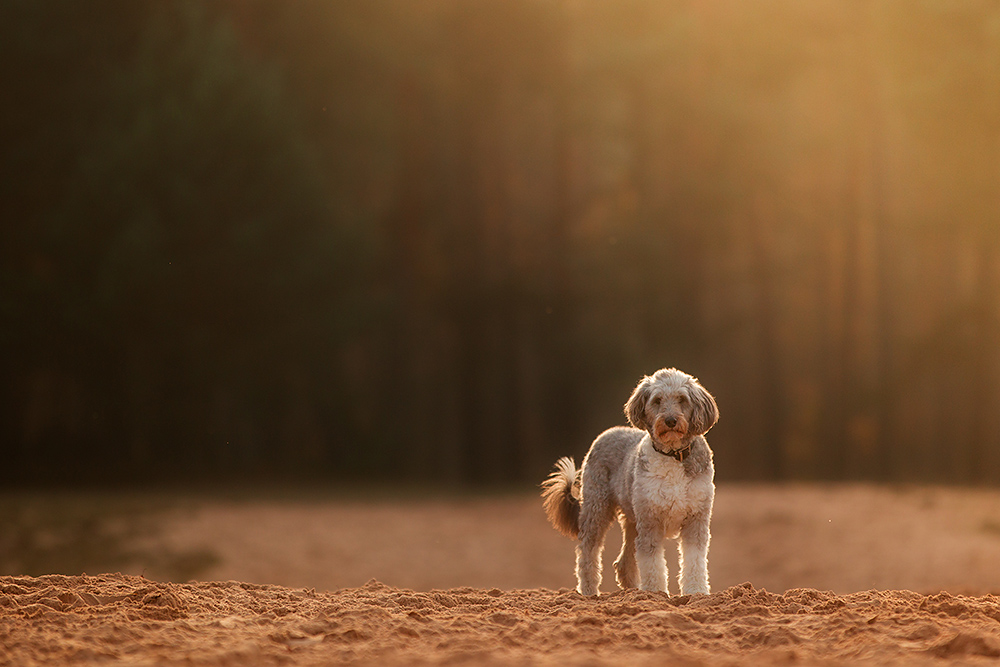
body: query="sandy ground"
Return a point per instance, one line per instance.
(801, 574)
(840, 538)
(119, 618)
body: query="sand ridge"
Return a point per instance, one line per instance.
(92, 620)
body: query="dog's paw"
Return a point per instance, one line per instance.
(653, 587)
(696, 590)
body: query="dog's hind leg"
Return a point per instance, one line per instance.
(626, 570)
(595, 519)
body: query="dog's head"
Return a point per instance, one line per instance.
(672, 406)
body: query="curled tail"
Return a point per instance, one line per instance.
(562, 505)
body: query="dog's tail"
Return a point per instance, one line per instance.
(562, 505)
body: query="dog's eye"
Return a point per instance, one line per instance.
(682, 399)
(655, 401)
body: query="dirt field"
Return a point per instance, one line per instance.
(803, 574)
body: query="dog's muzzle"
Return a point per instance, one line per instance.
(669, 428)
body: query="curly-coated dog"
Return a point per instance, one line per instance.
(657, 478)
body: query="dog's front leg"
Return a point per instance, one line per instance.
(693, 551)
(649, 556)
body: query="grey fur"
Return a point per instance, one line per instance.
(628, 474)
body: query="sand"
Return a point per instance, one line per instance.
(801, 574)
(97, 620)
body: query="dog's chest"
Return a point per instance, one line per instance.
(664, 489)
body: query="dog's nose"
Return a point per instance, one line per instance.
(670, 422)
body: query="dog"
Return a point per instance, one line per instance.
(657, 478)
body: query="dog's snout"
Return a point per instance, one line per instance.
(671, 422)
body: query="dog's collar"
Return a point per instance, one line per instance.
(679, 454)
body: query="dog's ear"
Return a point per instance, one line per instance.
(635, 406)
(704, 411)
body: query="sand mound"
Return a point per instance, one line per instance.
(86, 620)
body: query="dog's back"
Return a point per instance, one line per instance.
(611, 458)
(561, 492)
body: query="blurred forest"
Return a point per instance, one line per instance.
(441, 240)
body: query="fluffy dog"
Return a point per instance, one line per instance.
(657, 478)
